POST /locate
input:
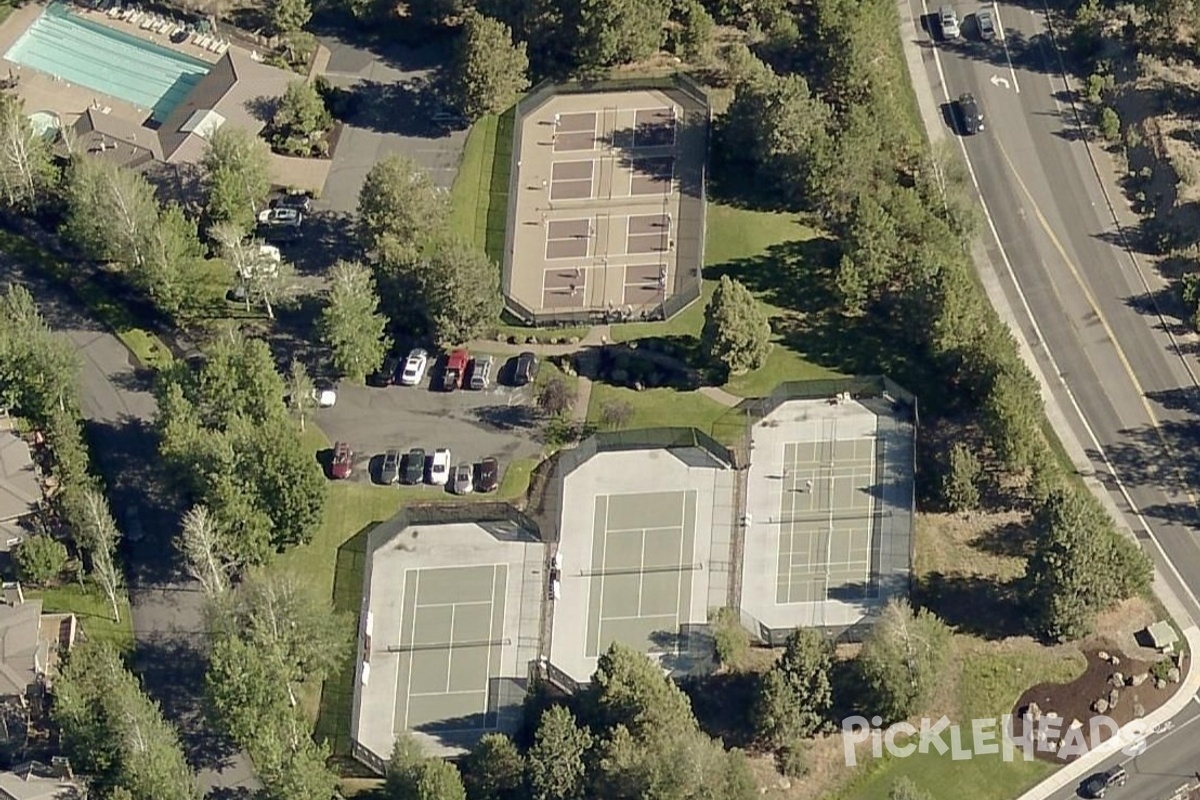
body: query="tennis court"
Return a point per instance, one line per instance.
(608, 213)
(451, 635)
(826, 520)
(642, 566)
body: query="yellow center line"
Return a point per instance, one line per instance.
(1112, 337)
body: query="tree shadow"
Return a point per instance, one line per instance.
(974, 604)
(723, 705)
(508, 418)
(1012, 539)
(405, 108)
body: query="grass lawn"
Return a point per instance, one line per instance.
(91, 607)
(332, 564)
(479, 196)
(738, 240)
(656, 408)
(992, 678)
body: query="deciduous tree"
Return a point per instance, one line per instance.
(205, 551)
(111, 211)
(736, 333)
(300, 390)
(40, 559)
(96, 532)
(112, 731)
(289, 16)
(616, 414)
(301, 118)
(399, 210)
(27, 172)
(555, 396)
(266, 277)
(351, 324)
(903, 658)
(237, 176)
(460, 290)
(167, 274)
(490, 69)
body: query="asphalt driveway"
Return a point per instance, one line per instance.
(499, 422)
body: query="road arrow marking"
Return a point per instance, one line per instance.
(998, 81)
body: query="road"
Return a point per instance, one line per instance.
(167, 610)
(1081, 301)
(1124, 381)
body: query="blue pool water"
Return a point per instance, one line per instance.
(86, 53)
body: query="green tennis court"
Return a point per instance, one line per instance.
(451, 629)
(643, 562)
(827, 520)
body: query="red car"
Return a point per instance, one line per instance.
(343, 459)
(456, 367)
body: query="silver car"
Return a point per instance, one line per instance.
(464, 479)
(949, 22)
(985, 22)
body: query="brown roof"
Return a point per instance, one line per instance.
(239, 91)
(116, 138)
(34, 781)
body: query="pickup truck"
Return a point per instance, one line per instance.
(456, 367)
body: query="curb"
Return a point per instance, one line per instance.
(1076, 770)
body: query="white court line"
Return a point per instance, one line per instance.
(487, 674)
(444, 694)
(450, 649)
(603, 561)
(443, 605)
(412, 638)
(679, 575)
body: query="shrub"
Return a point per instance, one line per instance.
(1109, 123)
(40, 559)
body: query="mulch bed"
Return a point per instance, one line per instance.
(1073, 701)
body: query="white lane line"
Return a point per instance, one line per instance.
(1058, 372)
(1161, 737)
(1004, 41)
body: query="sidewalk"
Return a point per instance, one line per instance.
(1074, 772)
(931, 116)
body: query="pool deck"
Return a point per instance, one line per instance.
(42, 92)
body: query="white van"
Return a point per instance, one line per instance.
(481, 372)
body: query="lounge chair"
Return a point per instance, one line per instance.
(214, 46)
(204, 42)
(113, 10)
(136, 17)
(162, 26)
(197, 37)
(222, 48)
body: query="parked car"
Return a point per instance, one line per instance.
(1101, 782)
(324, 398)
(969, 114)
(464, 479)
(389, 471)
(948, 20)
(414, 367)
(985, 23)
(489, 475)
(481, 372)
(414, 467)
(301, 201)
(343, 461)
(388, 373)
(439, 467)
(456, 367)
(281, 217)
(526, 369)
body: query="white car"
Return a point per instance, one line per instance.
(414, 368)
(464, 479)
(439, 469)
(281, 216)
(324, 398)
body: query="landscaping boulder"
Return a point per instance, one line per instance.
(500, 337)
(1139, 679)
(1139, 711)
(1159, 683)
(1115, 661)
(1173, 674)
(1100, 706)
(574, 340)
(531, 340)
(1116, 679)
(512, 340)
(1113, 698)
(1032, 711)
(1102, 655)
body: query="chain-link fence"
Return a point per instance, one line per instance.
(689, 228)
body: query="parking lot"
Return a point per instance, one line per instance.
(496, 422)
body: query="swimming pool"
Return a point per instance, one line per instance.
(119, 64)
